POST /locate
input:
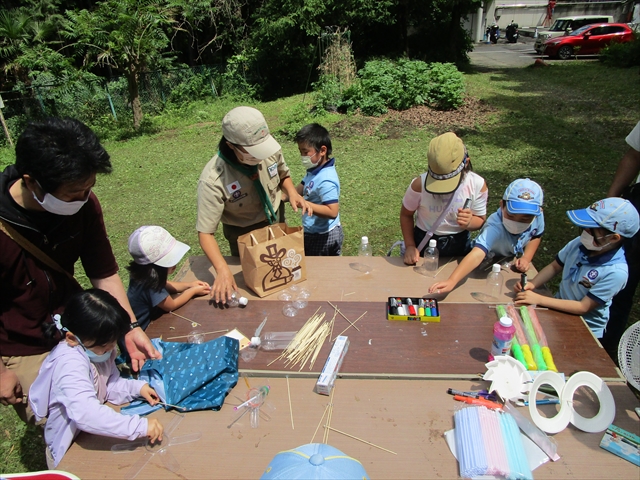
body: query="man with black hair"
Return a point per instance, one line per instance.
(49, 218)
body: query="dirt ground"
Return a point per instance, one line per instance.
(394, 123)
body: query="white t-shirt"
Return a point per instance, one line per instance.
(428, 206)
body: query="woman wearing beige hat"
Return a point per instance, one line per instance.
(448, 201)
(242, 187)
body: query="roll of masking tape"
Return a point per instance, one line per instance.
(561, 420)
(567, 413)
(601, 421)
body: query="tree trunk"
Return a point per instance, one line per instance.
(134, 96)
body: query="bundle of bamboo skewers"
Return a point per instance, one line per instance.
(307, 343)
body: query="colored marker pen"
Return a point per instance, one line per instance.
(523, 280)
(401, 308)
(421, 307)
(393, 307)
(427, 309)
(410, 307)
(434, 310)
(478, 401)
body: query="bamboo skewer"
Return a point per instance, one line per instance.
(185, 318)
(290, 408)
(326, 409)
(442, 267)
(325, 438)
(349, 326)
(359, 439)
(343, 316)
(205, 333)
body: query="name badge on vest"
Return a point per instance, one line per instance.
(273, 170)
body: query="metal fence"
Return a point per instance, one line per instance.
(101, 101)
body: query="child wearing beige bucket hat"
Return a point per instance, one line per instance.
(445, 203)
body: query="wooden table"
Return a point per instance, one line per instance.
(373, 399)
(457, 347)
(408, 417)
(334, 278)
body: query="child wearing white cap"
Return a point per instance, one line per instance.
(514, 230)
(155, 255)
(593, 265)
(448, 201)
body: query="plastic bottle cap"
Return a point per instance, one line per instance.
(243, 301)
(433, 242)
(495, 268)
(365, 240)
(255, 341)
(506, 322)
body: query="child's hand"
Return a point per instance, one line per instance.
(149, 394)
(522, 264)
(411, 255)
(298, 202)
(528, 297)
(518, 286)
(464, 217)
(442, 287)
(200, 288)
(154, 430)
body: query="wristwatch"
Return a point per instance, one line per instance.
(134, 325)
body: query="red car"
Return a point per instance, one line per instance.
(588, 40)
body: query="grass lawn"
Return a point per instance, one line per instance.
(563, 126)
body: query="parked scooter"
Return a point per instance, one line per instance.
(493, 33)
(512, 32)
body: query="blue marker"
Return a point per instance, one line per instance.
(434, 310)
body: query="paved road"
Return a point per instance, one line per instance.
(510, 55)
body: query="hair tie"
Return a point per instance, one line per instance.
(57, 322)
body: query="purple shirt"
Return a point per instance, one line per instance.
(70, 392)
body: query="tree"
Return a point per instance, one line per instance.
(129, 36)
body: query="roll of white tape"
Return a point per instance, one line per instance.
(561, 420)
(601, 421)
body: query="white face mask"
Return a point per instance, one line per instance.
(307, 163)
(513, 227)
(588, 242)
(246, 158)
(59, 207)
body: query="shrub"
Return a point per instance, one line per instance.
(623, 55)
(384, 84)
(446, 86)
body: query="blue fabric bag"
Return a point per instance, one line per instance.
(191, 376)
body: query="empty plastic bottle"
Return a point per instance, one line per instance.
(431, 258)
(365, 247)
(495, 280)
(236, 300)
(274, 340)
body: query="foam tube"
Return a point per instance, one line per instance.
(561, 420)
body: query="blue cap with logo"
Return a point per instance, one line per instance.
(615, 214)
(314, 461)
(523, 196)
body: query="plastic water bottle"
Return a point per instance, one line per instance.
(365, 247)
(503, 332)
(276, 340)
(495, 280)
(431, 258)
(235, 300)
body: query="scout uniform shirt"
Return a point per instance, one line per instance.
(495, 238)
(225, 194)
(599, 277)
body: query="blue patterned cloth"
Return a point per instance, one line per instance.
(192, 376)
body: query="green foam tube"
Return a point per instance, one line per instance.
(538, 357)
(516, 351)
(528, 358)
(548, 358)
(533, 340)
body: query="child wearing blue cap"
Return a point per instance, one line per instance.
(593, 265)
(514, 229)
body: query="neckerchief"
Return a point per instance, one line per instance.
(251, 172)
